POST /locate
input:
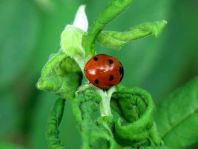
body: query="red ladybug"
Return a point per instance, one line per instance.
(104, 71)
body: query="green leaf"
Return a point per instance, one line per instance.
(134, 125)
(178, 61)
(61, 75)
(131, 124)
(177, 116)
(112, 10)
(71, 44)
(68, 133)
(114, 40)
(95, 130)
(55, 119)
(54, 15)
(142, 54)
(39, 120)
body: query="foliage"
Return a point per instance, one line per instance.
(115, 40)
(159, 65)
(131, 125)
(177, 116)
(136, 129)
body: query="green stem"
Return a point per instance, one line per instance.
(52, 133)
(109, 13)
(105, 107)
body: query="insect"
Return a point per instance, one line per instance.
(104, 71)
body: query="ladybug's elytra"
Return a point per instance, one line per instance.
(104, 71)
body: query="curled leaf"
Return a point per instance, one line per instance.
(52, 133)
(114, 40)
(134, 109)
(95, 130)
(130, 125)
(62, 75)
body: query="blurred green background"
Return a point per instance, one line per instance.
(30, 32)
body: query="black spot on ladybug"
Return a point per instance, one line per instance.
(95, 58)
(110, 61)
(111, 77)
(96, 81)
(121, 70)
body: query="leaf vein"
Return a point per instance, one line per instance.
(179, 122)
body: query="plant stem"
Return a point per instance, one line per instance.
(105, 107)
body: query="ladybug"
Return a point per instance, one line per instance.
(104, 71)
